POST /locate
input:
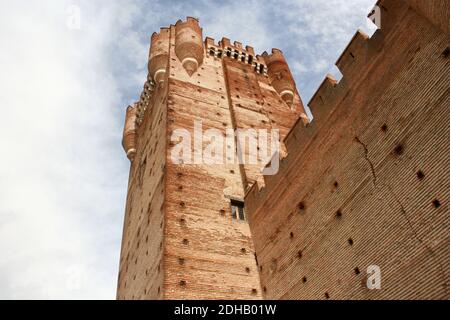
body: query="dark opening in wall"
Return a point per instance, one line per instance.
(182, 204)
(182, 283)
(254, 292)
(357, 271)
(436, 203)
(420, 175)
(265, 290)
(181, 261)
(222, 212)
(247, 269)
(339, 214)
(185, 242)
(336, 184)
(446, 53)
(243, 250)
(291, 235)
(399, 150)
(384, 128)
(237, 210)
(301, 206)
(350, 241)
(304, 279)
(327, 295)
(300, 254)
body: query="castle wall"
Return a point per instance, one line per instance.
(366, 183)
(180, 240)
(141, 263)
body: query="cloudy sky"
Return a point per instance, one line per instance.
(65, 81)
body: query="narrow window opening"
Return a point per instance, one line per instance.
(237, 210)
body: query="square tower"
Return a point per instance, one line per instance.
(185, 232)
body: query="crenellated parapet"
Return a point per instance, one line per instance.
(183, 45)
(236, 51)
(355, 63)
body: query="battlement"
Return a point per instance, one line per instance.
(355, 62)
(190, 21)
(236, 51)
(187, 42)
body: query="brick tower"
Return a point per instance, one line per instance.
(185, 232)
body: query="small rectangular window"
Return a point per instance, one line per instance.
(237, 210)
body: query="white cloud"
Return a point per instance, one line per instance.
(63, 174)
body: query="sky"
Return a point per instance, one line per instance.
(68, 71)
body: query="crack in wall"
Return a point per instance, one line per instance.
(404, 212)
(366, 156)
(416, 236)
